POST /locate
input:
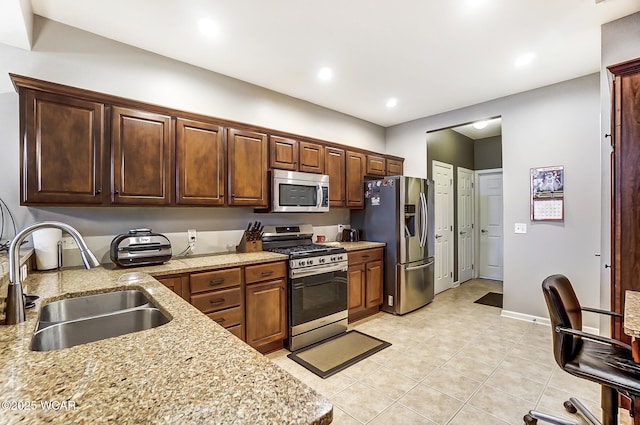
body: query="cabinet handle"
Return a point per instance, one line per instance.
(221, 320)
(366, 256)
(216, 281)
(98, 191)
(269, 273)
(233, 195)
(115, 192)
(218, 301)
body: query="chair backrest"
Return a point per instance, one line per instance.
(564, 311)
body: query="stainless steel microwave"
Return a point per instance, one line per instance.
(299, 192)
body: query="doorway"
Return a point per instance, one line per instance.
(466, 219)
(443, 203)
(491, 225)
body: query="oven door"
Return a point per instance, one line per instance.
(317, 297)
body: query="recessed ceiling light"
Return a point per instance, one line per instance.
(208, 27)
(392, 103)
(479, 125)
(325, 74)
(525, 59)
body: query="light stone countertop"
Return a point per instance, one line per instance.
(632, 313)
(189, 370)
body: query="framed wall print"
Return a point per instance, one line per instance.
(547, 193)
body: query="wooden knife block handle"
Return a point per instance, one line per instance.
(248, 246)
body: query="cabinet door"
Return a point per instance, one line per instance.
(283, 153)
(394, 168)
(355, 168)
(62, 147)
(356, 288)
(247, 165)
(311, 157)
(200, 163)
(177, 284)
(266, 312)
(334, 163)
(376, 165)
(142, 150)
(374, 277)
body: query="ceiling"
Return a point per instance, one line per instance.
(493, 128)
(432, 56)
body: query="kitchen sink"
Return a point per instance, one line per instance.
(89, 329)
(92, 305)
(75, 321)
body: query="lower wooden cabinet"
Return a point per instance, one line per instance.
(178, 284)
(365, 278)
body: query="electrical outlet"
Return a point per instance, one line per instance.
(520, 228)
(69, 243)
(192, 236)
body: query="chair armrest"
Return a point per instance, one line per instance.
(597, 310)
(597, 338)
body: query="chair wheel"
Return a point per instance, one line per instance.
(569, 407)
(529, 420)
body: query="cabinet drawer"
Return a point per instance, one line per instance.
(207, 281)
(227, 318)
(365, 256)
(237, 331)
(217, 300)
(265, 272)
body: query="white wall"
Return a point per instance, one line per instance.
(555, 125)
(73, 57)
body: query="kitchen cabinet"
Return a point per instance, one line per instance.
(219, 294)
(247, 168)
(294, 155)
(394, 167)
(376, 165)
(178, 284)
(142, 149)
(625, 157)
(62, 149)
(365, 279)
(355, 167)
(200, 163)
(266, 305)
(334, 166)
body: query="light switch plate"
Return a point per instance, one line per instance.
(520, 228)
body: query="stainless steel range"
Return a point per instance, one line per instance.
(317, 284)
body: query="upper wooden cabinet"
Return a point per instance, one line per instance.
(247, 168)
(394, 167)
(294, 155)
(200, 163)
(63, 141)
(355, 168)
(142, 149)
(376, 165)
(334, 167)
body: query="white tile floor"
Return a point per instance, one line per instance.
(452, 362)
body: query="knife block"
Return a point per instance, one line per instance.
(248, 246)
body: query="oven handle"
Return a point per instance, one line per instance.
(337, 267)
(319, 196)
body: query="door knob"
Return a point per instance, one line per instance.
(438, 236)
(463, 233)
(483, 231)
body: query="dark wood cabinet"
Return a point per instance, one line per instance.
(334, 167)
(394, 167)
(62, 152)
(266, 305)
(376, 165)
(625, 160)
(178, 284)
(142, 157)
(200, 163)
(283, 153)
(311, 157)
(355, 167)
(365, 280)
(247, 168)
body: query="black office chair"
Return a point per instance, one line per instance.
(596, 358)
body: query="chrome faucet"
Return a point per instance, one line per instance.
(15, 299)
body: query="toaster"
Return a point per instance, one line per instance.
(140, 247)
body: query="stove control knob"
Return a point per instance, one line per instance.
(301, 262)
(333, 258)
(309, 262)
(322, 260)
(340, 258)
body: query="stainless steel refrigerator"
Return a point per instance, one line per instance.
(399, 211)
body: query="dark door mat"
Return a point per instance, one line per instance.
(328, 357)
(493, 299)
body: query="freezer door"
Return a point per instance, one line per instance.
(413, 219)
(415, 286)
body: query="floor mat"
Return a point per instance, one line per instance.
(493, 299)
(328, 357)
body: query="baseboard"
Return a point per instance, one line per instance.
(540, 320)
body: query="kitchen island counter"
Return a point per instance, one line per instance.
(189, 370)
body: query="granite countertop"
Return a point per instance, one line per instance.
(189, 370)
(632, 313)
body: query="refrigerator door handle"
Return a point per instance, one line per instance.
(423, 220)
(425, 228)
(423, 266)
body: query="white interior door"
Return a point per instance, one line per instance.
(465, 224)
(491, 225)
(443, 205)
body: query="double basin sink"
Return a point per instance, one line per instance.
(75, 321)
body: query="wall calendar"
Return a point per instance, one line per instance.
(547, 193)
